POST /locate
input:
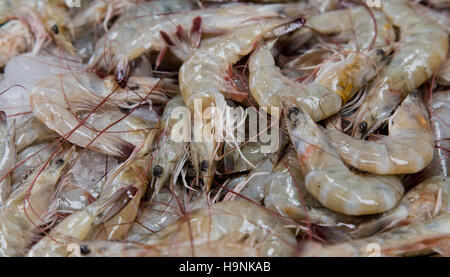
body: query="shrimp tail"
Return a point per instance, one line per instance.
(184, 44)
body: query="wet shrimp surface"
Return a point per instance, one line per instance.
(224, 128)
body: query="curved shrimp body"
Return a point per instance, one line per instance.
(129, 29)
(419, 238)
(426, 200)
(46, 18)
(203, 79)
(81, 225)
(15, 38)
(27, 207)
(232, 221)
(7, 156)
(334, 85)
(422, 48)
(169, 156)
(353, 26)
(81, 107)
(408, 148)
(329, 180)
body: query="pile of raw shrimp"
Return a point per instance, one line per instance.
(355, 94)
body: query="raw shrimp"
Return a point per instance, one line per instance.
(418, 238)
(408, 148)
(48, 19)
(133, 172)
(209, 249)
(440, 118)
(203, 79)
(102, 11)
(354, 26)
(426, 200)
(335, 84)
(30, 131)
(329, 180)
(164, 209)
(7, 156)
(285, 193)
(169, 155)
(125, 41)
(27, 206)
(234, 222)
(156, 214)
(81, 225)
(252, 185)
(422, 48)
(30, 158)
(59, 100)
(15, 38)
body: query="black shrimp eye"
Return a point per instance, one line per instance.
(362, 127)
(293, 110)
(59, 162)
(55, 29)
(204, 165)
(157, 171)
(380, 52)
(84, 250)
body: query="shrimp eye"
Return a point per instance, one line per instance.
(59, 162)
(380, 52)
(293, 110)
(84, 250)
(362, 127)
(55, 29)
(157, 171)
(204, 165)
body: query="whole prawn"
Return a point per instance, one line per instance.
(203, 79)
(111, 53)
(422, 48)
(329, 180)
(27, 206)
(80, 107)
(408, 148)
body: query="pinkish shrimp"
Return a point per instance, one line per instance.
(15, 38)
